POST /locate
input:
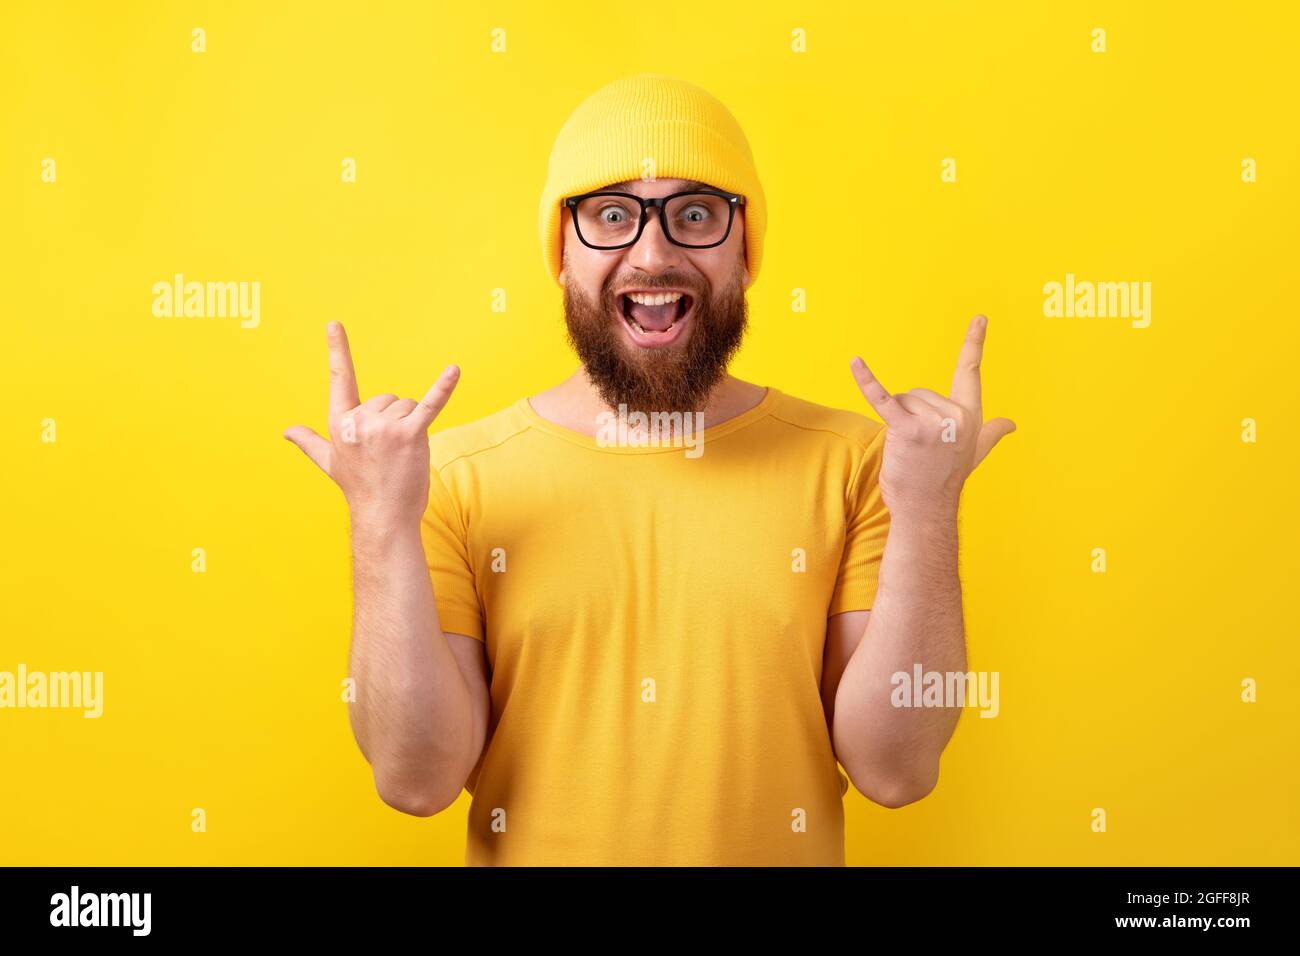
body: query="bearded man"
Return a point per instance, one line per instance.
(629, 655)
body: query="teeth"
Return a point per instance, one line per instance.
(658, 298)
(637, 326)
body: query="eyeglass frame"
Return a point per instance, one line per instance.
(734, 200)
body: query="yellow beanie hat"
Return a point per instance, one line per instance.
(650, 126)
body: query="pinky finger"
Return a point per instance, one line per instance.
(887, 407)
(428, 407)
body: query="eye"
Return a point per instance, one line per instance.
(612, 215)
(695, 213)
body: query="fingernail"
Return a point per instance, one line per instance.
(331, 327)
(857, 363)
(452, 369)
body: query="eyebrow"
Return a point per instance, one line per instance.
(690, 184)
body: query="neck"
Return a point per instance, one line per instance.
(575, 403)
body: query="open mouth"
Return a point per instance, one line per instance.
(654, 314)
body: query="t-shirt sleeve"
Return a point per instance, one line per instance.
(867, 527)
(443, 535)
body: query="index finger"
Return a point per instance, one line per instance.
(343, 377)
(966, 379)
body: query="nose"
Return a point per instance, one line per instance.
(652, 252)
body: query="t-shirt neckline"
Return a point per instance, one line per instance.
(710, 433)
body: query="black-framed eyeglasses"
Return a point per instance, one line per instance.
(696, 219)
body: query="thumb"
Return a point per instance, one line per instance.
(312, 445)
(994, 430)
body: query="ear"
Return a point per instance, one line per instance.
(564, 243)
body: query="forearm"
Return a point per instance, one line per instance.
(892, 753)
(412, 714)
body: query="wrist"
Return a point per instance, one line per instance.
(937, 515)
(922, 545)
(378, 532)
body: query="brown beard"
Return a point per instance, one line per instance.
(677, 378)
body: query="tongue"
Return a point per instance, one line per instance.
(653, 318)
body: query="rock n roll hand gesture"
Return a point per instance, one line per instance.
(379, 449)
(933, 443)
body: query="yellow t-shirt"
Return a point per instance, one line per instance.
(655, 625)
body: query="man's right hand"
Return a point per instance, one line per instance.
(379, 450)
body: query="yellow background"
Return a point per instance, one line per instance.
(1118, 690)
